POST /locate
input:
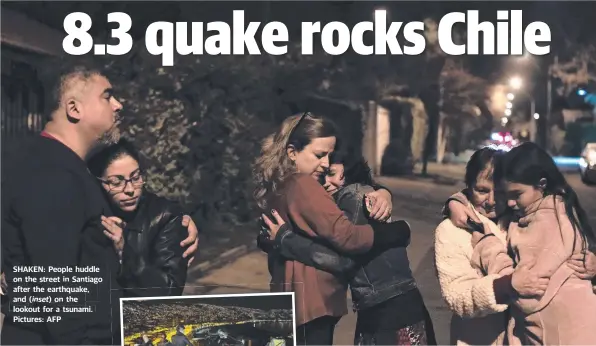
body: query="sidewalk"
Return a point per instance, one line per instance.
(446, 172)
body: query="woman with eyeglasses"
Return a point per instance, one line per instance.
(146, 230)
(288, 172)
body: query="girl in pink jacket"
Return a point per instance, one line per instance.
(548, 227)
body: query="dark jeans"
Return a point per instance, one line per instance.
(317, 332)
(401, 320)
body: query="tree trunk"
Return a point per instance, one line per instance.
(431, 98)
(442, 137)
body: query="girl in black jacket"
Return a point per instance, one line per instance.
(147, 229)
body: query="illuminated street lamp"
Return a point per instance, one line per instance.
(509, 105)
(504, 120)
(536, 116)
(515, 83)
(508, 112)
(510, 96)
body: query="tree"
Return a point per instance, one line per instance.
(578, 70)
(431, 97)
(461, 98)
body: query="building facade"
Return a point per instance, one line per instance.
(25, 43)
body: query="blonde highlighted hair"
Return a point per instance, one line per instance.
(274, 165)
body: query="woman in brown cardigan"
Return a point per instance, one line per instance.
(287, 177)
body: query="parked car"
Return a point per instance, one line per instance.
(587, 164)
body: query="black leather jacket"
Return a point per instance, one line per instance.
(152, 263)
(372, 281)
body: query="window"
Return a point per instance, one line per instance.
(22, 100)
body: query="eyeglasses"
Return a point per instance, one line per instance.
(118, 183)
(304, 115)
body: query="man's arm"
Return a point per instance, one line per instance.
(191, 243)
(51, 211)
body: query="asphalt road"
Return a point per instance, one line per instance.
(243, 269)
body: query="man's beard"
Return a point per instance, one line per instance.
(112, 136)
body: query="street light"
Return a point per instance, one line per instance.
(515, 83)
(509, 105)
(504, 120)
(508, 112)
(536, 116)
(510, 97)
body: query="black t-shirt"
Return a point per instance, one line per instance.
(51, 209)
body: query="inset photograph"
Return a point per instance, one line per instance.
(257, 319)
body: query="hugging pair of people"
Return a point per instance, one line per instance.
(52, 210)
(515, 254)
(332, 230)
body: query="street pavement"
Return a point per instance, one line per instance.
(243, 268)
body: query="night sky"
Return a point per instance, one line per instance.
(572, 23)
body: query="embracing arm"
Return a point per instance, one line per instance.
(377, 187)
(302, 249)
(351, 200)
(168, 270)
(299, 248)
(467, 293)
(491, 256)
(458, 197)
(312, 208)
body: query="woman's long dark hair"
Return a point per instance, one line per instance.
(99, 162)
(527, 164)
(356, 169)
